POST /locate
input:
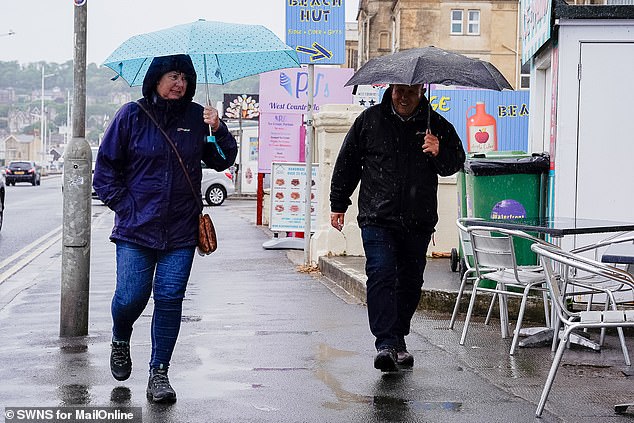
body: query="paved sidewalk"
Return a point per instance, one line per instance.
(262, 341)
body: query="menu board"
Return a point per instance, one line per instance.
(288, 195)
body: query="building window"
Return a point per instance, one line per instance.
(384, 41)
(456, 21)
(473, 24)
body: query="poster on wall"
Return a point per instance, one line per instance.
(279, 139)
(249, 177)
(369, 95)
(486, 120)
(286, 90)
(288, 192)
(236, 105)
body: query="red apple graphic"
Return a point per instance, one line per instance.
(482, 136)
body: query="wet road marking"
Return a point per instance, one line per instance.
(37, 247)
(28, 253)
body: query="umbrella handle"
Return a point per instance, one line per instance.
(210, 137)
(429, 107)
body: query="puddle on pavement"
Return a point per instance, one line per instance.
(383, 404)
(73, 345)
(344, 397)
(120, 395)
(519, 368)
(74, 349)
(327, 353)
(392, 403)
(285, 332)
(206, 379)
(278, 369)
(74, 394)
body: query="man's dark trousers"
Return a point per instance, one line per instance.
(395, 262)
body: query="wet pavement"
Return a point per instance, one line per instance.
(264, 340)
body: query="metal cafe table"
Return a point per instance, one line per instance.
(556, 228)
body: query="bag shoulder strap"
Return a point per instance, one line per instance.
(178, 156)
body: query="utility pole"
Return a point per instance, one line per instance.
(43, 117)
(238, 181)
(77, 202)
(309, 163)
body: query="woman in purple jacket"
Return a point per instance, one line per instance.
(138, 176)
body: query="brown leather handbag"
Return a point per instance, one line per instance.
(207, 241)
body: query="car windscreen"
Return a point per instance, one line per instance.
(19, 164)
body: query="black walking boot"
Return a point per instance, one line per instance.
(404, 358)
(120, 361)
(385, 360)
(159, 388)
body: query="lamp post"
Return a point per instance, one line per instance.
(42, 129)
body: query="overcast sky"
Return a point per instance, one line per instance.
(44, 28)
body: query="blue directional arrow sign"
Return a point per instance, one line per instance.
(317, 52)
(316, 29)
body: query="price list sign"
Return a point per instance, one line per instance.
(288, 192)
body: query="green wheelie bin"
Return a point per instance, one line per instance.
(508, 188)
(457, 255)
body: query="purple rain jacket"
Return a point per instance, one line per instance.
(137, 174)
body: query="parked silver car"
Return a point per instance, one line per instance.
(216, 186)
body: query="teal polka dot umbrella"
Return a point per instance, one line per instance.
(221, 52)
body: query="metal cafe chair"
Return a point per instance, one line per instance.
(552, 257)
(588, 285)
(493, 248)
(469, 274)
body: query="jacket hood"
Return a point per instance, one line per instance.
(161, 65)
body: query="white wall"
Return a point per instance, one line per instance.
(609, 123)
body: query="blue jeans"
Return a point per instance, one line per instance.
(395, 262)
(141, 270)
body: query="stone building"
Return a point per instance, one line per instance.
(352, 46)
(483, 29)
(18, 147)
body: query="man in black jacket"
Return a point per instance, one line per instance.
(397, 156)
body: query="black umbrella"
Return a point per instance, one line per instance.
(430, 65)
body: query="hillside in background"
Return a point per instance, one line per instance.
(21, 87)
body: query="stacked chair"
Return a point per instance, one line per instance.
(469, 274)
(495, 260)
(589, 286)
(562, 269)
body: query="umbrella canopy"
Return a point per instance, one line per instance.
(221, 52)
(430, 65)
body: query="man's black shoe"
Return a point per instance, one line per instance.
(120, 361)
(404, 358)
(385, 360)
(159, 388)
